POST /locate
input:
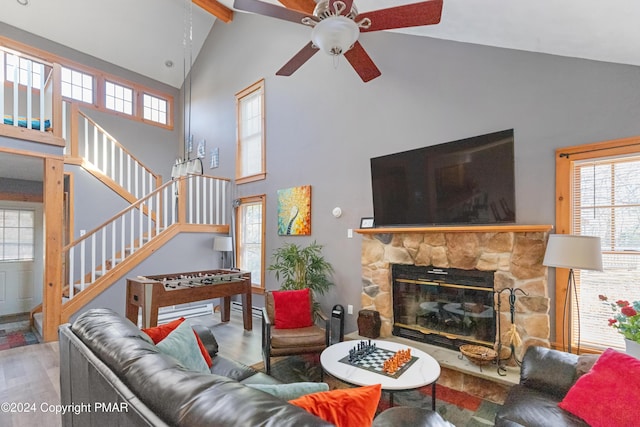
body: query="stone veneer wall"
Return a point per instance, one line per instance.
(516, 258)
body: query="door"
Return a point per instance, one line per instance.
(20, 256)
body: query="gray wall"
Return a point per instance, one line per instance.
(323, 124)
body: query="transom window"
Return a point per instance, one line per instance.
(250, 159)
(77, 85)
(17, 234)
(118, 98)
(20, 67)
(155, 109)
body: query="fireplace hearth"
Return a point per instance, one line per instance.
(447, 307)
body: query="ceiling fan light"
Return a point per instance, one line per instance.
(335, 35)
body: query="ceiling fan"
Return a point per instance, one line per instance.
(337, 24)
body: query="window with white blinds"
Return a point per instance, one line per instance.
(606, 203)
(250, 163)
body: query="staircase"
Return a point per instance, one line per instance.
(157, 213)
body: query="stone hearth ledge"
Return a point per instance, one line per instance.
(460, 374)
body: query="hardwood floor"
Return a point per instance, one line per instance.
(29, 376)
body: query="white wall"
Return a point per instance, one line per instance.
(323, 124)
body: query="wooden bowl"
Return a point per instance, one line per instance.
(478, 354)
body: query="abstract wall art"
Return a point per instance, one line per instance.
(294, 211)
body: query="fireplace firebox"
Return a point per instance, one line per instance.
(443, 306)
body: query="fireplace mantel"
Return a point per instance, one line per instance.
(510, 228)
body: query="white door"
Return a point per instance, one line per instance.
(20, 257)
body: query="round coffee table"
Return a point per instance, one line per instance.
(424, 371)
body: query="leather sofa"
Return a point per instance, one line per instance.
(111, 376)
(545, 378)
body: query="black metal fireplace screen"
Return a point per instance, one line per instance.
(445, 307)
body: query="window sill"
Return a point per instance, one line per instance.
(251, 178)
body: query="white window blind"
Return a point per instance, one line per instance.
(251, 140)
(606, 203)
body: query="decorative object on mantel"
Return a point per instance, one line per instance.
(572, 252)
(512, 335)
(478, 354)
(369, 323)
(626, 319)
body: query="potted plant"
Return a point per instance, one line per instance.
(302, 267)
(626, 319)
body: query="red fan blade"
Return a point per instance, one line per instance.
(362, 63)
(269, 9)
(305, 6)
(348, 4)
(410, 15)
(298, 59)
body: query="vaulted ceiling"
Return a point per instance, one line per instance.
(146, 35)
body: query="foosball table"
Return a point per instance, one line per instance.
(149, 293)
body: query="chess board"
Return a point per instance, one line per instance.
(373, 362)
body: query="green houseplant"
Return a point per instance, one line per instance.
(302, 267)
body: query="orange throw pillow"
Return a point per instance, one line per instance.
(160, 332)
(292, 309)
(344, 407)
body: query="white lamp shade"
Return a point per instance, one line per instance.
(335, 35)
(571, 251)
(222, 244)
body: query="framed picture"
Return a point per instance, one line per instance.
(366, 223)
(294, 211)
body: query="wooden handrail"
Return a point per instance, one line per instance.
(115, 141)
(116, 216)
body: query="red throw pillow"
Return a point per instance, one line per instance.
(606, 395)
(344, 407)
(160, 332)
(292, 309)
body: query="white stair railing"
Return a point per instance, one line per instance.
(107, 155)
(103, 248)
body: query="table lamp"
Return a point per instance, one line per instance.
(223, 244)
(572, 252)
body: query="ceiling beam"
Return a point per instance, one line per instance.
(305, 6)
(217, 9)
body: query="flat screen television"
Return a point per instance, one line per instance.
(470, 181)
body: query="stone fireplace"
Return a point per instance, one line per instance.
(513, 253)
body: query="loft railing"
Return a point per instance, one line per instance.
(26, 87)
(193, 200)
(101, 152)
